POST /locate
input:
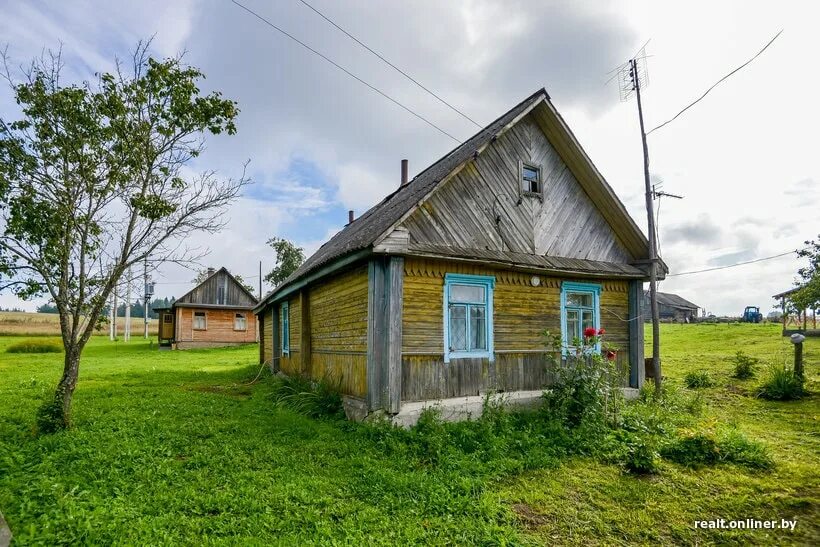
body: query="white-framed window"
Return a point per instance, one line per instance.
(529, 176)
(200, 321)
(468, 316)
(221, 290)
(580, 309)
(285, 328)
(240, 322)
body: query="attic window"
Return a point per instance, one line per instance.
(530, 179)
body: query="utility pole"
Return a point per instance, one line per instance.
(653, 245)
(146, 297)
(127, 329)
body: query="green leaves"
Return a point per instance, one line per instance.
(288, 258)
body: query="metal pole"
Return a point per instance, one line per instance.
(147, 299)
(653, 249)
(127, 333)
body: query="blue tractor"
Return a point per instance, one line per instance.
(751, 315)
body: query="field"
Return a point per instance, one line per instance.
(13, 323)
(182, 447)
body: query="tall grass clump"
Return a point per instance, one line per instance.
(35, 346)
(744, 366)
(781, 384)
(315, 399)
(697, 379)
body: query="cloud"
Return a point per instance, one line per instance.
(702, 231)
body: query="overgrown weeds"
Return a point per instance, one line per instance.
(317, 399)
(35, 346)
(698, 379)
(781, 384)
(744, 366)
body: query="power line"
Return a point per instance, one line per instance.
(346, 71)
(732, 265)
(693, 103)
(394, 67)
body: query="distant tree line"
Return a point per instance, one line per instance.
(136, 308)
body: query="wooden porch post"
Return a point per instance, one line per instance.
(376, 311)
(394, 319)
(637, 370)
(384, 333)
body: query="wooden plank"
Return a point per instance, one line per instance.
(305, 332)
(276, 344)
(394, 334)
(375, 335)
(637, 371)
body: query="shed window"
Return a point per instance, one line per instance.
(285, 328)
(530, 179)
(240, 322)
(468, 316)
(199, 320)
(221, 289)
(580, 309)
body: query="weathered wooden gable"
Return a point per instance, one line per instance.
(220, 289)
(480, 207)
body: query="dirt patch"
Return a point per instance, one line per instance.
(530, 518)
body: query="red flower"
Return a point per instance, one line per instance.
(589, 332)
(601, 332)
(610, 355)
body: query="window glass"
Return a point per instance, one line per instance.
(573, 325)
(285, 328)
(458, 328)
(466, 293)
(579, 299)
(199, 320)
(478, 328)
(530, 179)
(239, 322)
(579, 310)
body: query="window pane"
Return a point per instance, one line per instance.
(588, 319)
(466, 293)
(478, 327)
(530, 173)
(458, 327)
(579, 299)
(573, 330)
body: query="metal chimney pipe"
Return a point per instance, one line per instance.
(403, 172)
(350, 216)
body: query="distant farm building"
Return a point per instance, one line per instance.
(671, 307)
(217, 312)
(796, 320)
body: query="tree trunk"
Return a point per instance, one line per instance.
(55, 415)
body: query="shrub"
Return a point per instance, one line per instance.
(781, 384)
(707, 447)
(744, 365)
(314, 399)
(698, 379)
(640, 457)
(35, 346)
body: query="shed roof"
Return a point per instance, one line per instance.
(366, 230)
(673, 301)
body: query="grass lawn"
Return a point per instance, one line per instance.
(176, 447)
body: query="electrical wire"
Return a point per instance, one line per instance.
(732, 265)
(693, 103)
(346, 71)
(394, 67)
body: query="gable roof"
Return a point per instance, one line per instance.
(182, 301)
(673, 300)
(379, 220)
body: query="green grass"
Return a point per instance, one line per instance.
(175, 447)
(35, 346)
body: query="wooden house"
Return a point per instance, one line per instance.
(671, 307)
(441, 292)
(217, 312)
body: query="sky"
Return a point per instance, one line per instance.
(320, 143)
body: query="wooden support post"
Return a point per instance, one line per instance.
(260, 329)
(798, 360)
(304, 335)
(637, 368)
(376, 311)
(392, 376)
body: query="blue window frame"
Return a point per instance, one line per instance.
(468, 316)
(580, 309)
(285, 328)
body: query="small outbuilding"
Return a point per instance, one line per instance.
(442, 292)
(217, 312)
(795, 320)
(671, 307)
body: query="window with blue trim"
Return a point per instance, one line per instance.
(468, 316)
(285, 328)
(580, 309)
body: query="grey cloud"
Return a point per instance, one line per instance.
(701, 231)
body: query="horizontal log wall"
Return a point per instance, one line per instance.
(521, 314)
(338, 331)
(267, 335)
(219, 329)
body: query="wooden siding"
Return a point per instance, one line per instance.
(207, 292)
(267, 336)
(219, 329)
(521, 314)
(338, 331)
(463, 211)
